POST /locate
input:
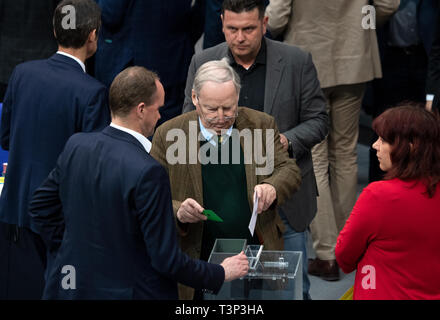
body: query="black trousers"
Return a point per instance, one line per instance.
(404, 77)
(22, 263)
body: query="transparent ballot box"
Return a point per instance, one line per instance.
(273, 275)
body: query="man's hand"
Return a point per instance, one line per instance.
(190, 212)
(235, 267)
(428, 105)
(284, 141)
(266, 194)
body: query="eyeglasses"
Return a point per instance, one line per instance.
(211, 111)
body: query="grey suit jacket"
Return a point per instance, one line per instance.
(293, 96)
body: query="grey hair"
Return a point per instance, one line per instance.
(218, 71)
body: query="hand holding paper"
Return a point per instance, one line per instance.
(266, 194)
(190, 211)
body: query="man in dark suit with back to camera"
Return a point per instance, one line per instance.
(158, 35)
(280, 80)
(46, 102)
(114, 201)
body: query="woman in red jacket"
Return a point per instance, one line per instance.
(392, 237)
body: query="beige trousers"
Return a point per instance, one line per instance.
(335, 165)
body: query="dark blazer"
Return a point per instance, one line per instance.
(46, 102)
(26, 33)
(427, 12)
(433, 79)
(294, 98)
(159, 35)
(426, 20)
(213, 34)
(114, 202)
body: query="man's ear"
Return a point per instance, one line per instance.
(93, 36)
(265, 21)
(194, 98)
(140, 110)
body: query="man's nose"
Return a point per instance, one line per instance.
(240, 36)
(220, 114)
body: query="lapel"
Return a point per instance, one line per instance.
(274, 69)
(194, 169)
(243, 122)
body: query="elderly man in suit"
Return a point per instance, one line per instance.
(114, 201)
(280, 80)
(345, 51)
(223, 172)
(158, 35)
(46, 102)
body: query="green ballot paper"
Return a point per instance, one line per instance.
(212, 215)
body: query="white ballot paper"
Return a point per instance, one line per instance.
(254, 215)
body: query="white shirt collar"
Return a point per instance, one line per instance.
(144, 141)
(83, 66)
(208, 134)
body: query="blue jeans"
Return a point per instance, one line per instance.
(297, 241)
